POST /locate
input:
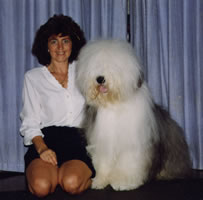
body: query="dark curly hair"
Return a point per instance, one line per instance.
(58, 24)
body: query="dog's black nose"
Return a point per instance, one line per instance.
(100, 79)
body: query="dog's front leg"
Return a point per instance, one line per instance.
(102, 173)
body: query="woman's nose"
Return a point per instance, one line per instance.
(60, 45)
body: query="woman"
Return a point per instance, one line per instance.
(52, 111)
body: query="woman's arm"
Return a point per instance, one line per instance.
(30, 116)
(31, 109)
(45, 153)
(39, 144)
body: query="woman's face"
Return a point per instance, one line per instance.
(60, 48)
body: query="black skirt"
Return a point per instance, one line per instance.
(67, 142)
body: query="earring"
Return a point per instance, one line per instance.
(48, 50)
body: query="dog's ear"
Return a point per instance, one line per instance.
(141, 80)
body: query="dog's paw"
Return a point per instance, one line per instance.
(122, 187)
(99, 183)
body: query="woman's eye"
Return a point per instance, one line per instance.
(66, 41)
(53, 41)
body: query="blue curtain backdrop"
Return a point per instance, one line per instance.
(167, 35)
(19, 20)
(168, 38)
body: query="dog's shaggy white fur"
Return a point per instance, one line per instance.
(131, 139)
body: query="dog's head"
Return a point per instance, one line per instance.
(107, 72)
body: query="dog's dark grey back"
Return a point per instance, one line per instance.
(173, 149)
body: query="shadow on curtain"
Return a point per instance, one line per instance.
(19, 20)
(168, 38)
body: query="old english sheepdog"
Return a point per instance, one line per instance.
(131, 140)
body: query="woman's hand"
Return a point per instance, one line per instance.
(45, 153)
(49, 156)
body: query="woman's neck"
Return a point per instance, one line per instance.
(60, 72)
(59, 68)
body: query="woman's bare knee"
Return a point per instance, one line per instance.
(42, 178)
(71, 184)
(74, 176)
(40, 187)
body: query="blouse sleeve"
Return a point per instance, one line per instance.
(30, 114)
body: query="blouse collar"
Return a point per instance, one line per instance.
(52, 79)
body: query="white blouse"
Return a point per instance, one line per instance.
(47, 103)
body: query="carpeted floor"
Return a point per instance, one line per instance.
(13, 187)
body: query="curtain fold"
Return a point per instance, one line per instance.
(167, 35)
(105, 19)
(19, 20)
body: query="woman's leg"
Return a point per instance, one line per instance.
(42, 177)
(75, 176)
